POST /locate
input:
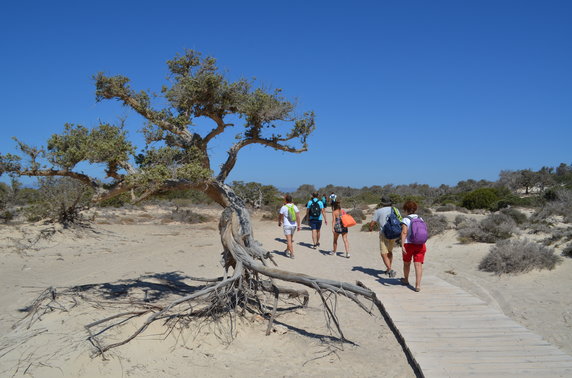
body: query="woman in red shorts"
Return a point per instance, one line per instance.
(415, 252)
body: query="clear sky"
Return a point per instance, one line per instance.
(429, 92)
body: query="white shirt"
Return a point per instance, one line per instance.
(284, 213)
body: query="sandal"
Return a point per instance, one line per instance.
(404, 281)
(417, 289)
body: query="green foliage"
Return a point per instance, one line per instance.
(483, 198)
(103, 144)
(518, 256)
(60, 200)
(117, 201)
(258, 195)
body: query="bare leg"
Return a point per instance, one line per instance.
(406, 268)
(386, 257)
(315, 237)
(346, 244)
(336, 235)
(418, 274)
(289, 243)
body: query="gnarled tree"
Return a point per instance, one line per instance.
(176, 156)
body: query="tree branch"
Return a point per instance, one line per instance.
(230, 162)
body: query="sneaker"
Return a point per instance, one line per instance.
(347, 255)
(392, 273)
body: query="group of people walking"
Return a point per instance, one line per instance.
(392, 227)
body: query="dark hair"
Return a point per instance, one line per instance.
(410, 207)
(288, 198)
(336, 205)
(315, 195)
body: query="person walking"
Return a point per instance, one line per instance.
(386, 244)
(289, 219)
(332, 199)
(339, 229)
(411, 251)
(316, 213)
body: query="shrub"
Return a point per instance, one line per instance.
(357, 214)
(518, 256)
(186, 216)
(491, 229)
(483, 198)
(567, 251)
(516, 215)
(365, 227)
(436, 224)
(60, 200)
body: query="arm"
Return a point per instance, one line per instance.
(324, 215)
(371, 224)
(298, 220)
(279, 219)
(403, 237)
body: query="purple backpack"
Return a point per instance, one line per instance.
(418, 233)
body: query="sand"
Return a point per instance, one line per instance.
(127, 244)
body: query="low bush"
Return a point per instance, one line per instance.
(518, 256)
(436, 224)
(451, 207)
(365, 227)
(567, 252)
(482, 198)
(493, 228)
(186, 216)
(516, 215)
(60, 200)
(357, 214)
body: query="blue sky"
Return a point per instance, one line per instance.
(429, 92)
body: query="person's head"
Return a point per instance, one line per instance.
(315, 195)
(410, 207)
(336, 205)
(385, 201)
(288, 198)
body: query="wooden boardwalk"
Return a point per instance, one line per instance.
(451, 333)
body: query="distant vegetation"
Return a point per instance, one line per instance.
(546, 195)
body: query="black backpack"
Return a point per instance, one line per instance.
(315, 209)
(392, 227)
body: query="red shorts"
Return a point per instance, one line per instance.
(415, 251)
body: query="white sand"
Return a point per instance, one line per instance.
(128, 244)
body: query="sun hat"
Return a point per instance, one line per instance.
(385, 201)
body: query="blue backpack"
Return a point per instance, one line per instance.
(392, 227)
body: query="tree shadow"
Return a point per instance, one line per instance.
(152, 287)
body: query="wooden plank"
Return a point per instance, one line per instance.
(451, 333)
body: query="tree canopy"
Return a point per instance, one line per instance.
(176, 151)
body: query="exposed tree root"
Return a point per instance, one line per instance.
(250, 288)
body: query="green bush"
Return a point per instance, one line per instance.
(518, 256)
(483, 198)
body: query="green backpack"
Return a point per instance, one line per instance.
(291, 213)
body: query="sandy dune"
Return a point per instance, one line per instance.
(127, 244)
